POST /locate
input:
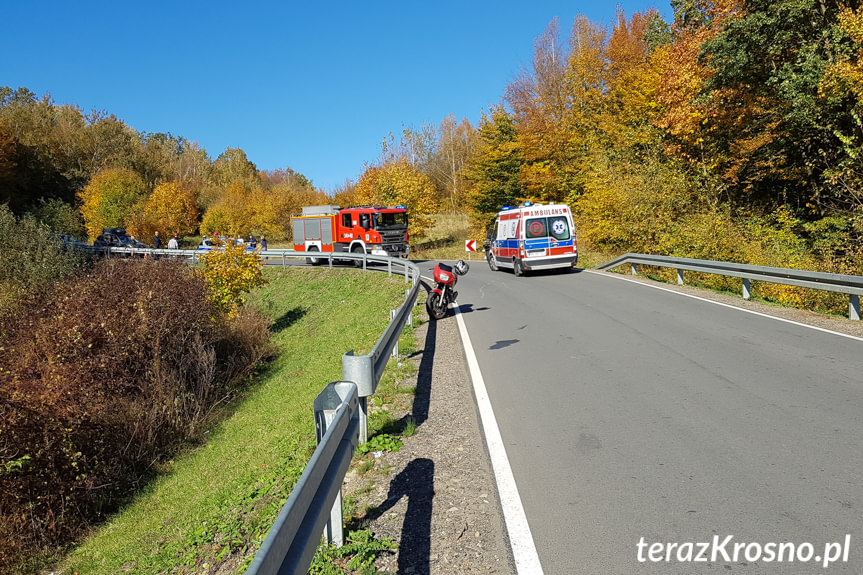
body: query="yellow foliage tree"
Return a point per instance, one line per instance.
(170, 208)
(400, 183)
(250, 209)
(633, 82)
(231, 273)
(110, 198)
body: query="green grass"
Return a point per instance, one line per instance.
(215, 503)
(445, 240)
(588, 259)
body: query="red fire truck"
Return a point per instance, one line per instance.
(371, 229)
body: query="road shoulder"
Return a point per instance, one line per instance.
(436, 496)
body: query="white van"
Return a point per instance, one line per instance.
(532, 237)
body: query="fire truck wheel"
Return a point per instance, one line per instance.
(358, 249)
(491, 263)
(313, 261)
(517, 268)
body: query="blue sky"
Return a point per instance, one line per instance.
(314, 86)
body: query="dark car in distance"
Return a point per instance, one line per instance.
(118, 238)
(113, 237)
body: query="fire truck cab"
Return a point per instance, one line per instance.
(373, 230)
(532, 237)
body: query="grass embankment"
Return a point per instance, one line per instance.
(445, 239)
(215, 503)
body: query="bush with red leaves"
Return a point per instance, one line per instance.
(106, 376)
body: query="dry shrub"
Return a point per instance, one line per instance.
(99, 381)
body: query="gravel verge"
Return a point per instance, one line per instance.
(436, 497)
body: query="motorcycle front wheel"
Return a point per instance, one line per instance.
(436, 306)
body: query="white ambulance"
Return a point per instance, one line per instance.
(532, 237)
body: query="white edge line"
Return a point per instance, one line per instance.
(523, 548)
(743, 309)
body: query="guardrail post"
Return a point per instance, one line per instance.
(360, 370)
(854, 307)
(396, 346)
(747, 293)
(325, 406)
(679, 277)
(364, 261)
(411, 313)
(634, 270)
(330, 258)
(407, 272)
(389, 268)
(284, 262)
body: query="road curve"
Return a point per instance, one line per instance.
(629, 413)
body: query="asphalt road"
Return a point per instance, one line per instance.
(629, 412)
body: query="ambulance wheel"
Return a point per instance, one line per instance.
(435, 306)
(313, 261)
(517, 268)
(357, 249)
(491, 263)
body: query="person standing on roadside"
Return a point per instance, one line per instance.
(157, 241)
(172, 243)
(263, 243)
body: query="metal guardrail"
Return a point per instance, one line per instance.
(270, 257)
(841, 283)
(316, 498)
(341, 421)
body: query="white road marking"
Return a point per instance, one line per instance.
(523, 548)
(743, 309)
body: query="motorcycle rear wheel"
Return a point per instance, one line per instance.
(436, 306)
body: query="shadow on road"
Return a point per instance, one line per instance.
(416, 482)
(468, 308)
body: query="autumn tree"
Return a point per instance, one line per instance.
(232, 213)
(400, 183)
(170, 208)
(231, 166)
(346, 194)
(493, 170)
(842, 87)
(251, 208)
(28, 169)
(416, 146)
(110, 198)
(539, 100)
(164, 157)
(633, 80)
(454, 146)
(231, 272)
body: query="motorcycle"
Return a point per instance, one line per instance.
(443, 292)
